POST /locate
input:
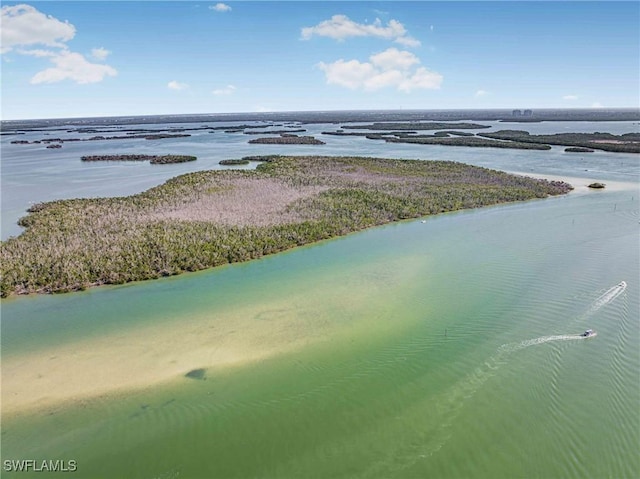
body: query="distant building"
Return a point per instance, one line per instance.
(528, 113)
(516, 113)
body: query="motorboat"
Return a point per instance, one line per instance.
(588, 333)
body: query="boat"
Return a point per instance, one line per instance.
(588, 333)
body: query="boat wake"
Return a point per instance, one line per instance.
(513, 347)
(453, 401)
(605, 298)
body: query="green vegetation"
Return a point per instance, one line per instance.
(415, 126)
(275, 132)
(286, 139)
(578, 149)
(453, 132)
(472, 141)
(209, 218)
(154, 159)
(242, 161)
(627, 143)
(159, 136)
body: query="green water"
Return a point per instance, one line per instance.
(438, 349)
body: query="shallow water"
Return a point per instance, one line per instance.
(441, 349)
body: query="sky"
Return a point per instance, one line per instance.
(119, 58)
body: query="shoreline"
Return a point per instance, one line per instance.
(137, 357)
(339, 116)
(581, 183)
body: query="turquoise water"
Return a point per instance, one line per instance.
(448, 348)
(446, 382)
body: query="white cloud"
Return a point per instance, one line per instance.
(340, 27)
(481, 93)
(391, 68)
(220, 7)
(570, 97)
(37, 52)
(351, 74)
(394, 58)
(175, 85)
(408, 41)
(228, 90)
(422, 79)
(75, 67)
(100, 53)
(24, 25)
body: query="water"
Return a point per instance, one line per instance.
(449, 348)
(33, 173)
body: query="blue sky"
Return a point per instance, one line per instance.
(91, 58)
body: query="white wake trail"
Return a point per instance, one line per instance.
(513, 347)
(456, 397)
(606, 297)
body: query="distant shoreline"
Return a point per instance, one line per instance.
(338, 116)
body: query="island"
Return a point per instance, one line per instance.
(235, 162)
(159, 136)
(626, 143)
(416, 126)
(209, 218)
(470, 141)
(578, 149)
(153, 159)
(287, 139)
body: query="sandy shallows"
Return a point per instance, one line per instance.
(345, 300)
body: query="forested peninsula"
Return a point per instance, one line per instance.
(209, 218)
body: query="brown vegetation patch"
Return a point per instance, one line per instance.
(244, 202)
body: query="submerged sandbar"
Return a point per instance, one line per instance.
(209, 218)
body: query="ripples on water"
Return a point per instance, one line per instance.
(485, 375)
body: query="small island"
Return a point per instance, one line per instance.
(469, 141)
(241, 161)
(578, 149)
(597, 186)
(209, 218)
(625, 143)
(287, 139)
(153, 159)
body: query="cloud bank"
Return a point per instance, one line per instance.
(340, 27)
(390, 68)
(25, 26)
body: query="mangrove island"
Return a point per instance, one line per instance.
(153, 159)
(287, 139)
(210, 218)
